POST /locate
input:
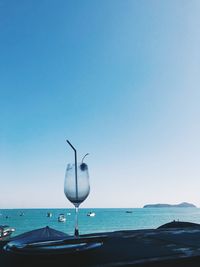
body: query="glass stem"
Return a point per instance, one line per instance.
(76, 231)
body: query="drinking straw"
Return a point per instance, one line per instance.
(76, 180)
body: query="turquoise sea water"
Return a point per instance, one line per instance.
(106, 220)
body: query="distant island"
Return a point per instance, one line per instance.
(181, 205)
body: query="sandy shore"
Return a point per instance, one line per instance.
(160, 247)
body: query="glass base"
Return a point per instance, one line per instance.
(76, 233)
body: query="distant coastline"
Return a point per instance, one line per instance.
(181, 205)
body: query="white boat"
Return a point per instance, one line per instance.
(5, 231)
(61, 218)
(49, 214)
(91, 214)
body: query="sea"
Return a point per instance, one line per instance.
(105, 220)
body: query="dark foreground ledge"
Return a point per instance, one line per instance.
(160, 247)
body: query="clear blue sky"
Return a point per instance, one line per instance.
(118, 78)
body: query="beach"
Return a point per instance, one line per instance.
(150, 247)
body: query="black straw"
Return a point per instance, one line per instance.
(76, 180)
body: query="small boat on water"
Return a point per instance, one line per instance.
(129, 211)
(61, 218)
(5, 232)
(49, 214)
(91, 214)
